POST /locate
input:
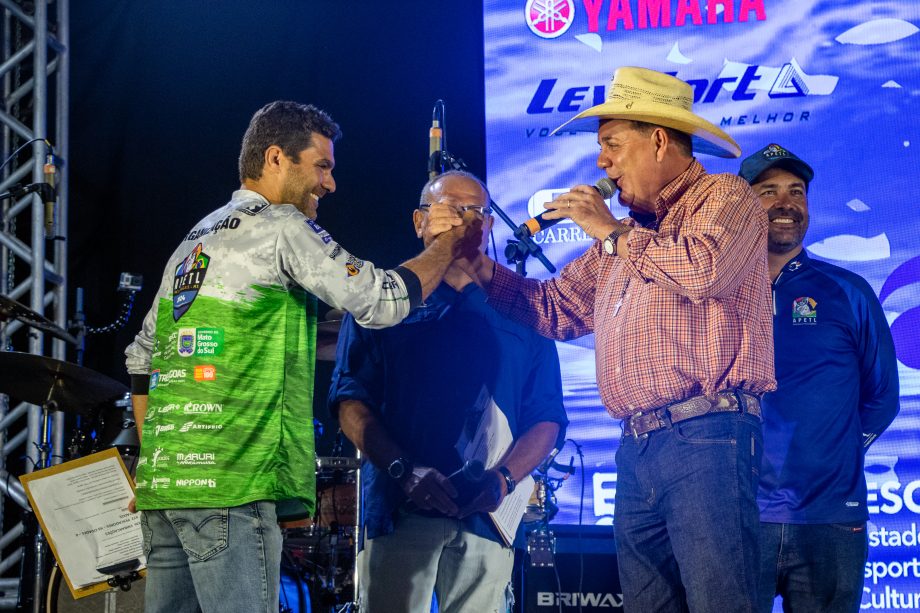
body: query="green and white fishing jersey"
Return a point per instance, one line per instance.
(229, 345)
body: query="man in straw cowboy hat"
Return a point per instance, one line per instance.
(678, 297)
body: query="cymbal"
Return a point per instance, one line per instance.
(10, 309)
(61, 386)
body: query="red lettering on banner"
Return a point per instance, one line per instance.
(751, 5)
(620, 10)
(728, 10)
(593, 9)
(622, 14)
(688, 7)
(654, 13)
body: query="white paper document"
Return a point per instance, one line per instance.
(84, 513)
(488, 444)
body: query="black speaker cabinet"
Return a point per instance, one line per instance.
(562, 572)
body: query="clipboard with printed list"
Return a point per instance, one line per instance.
(81, 506)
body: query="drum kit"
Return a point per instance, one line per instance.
(318, 554)
(100, 408)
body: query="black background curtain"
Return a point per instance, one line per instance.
(161, 93)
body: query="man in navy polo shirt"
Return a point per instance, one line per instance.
(404, 397)
(837, 392)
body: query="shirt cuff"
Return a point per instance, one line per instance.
(413, 285)
(140, 385)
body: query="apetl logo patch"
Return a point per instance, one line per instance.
(189, 277)
(804, 311)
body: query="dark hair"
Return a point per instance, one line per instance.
(681, 139)
(426, 190)
(290, 125)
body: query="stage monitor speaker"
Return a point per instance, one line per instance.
(582, 579)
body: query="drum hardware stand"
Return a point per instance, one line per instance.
(123, 575)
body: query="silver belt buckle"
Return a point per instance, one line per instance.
(632, 425)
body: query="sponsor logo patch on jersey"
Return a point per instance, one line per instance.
(254, 209)
(804, 311)
(185, 344)
(353, 265)
(188, 280)
(199, 341)
(325, 236)
(205, 372)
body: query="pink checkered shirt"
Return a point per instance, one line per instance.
(686, 311)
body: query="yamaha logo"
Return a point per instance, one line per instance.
(549, 18)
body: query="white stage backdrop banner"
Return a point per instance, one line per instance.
(835, 81)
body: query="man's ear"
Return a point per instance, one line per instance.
(417, 218)
(272, 159)
(662, 142)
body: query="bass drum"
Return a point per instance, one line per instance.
(60, 600)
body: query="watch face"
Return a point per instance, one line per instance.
(397, 469)
(609, 246)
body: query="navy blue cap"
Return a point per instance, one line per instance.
(774, 156)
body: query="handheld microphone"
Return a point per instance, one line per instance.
(435, 141)
(466, 481)
(605, 187)
(49, 193)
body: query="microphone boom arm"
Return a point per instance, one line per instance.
(516, 251)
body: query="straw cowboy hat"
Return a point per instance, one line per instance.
(640, 94)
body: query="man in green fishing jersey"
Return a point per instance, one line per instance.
(222, 369)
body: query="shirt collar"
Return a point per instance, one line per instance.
(673, 191)
(797, 263)
(442, 299)
(248, 194)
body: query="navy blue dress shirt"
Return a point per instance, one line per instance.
(422, 379)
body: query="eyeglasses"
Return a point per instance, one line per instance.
(463, 208)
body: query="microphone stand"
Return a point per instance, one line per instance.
(516, 251)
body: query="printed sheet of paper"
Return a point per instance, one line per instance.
(488, 444)
(82, 508)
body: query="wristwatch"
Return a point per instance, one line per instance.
(610, 243)
(399, 468)
(510, 483)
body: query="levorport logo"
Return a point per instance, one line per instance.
(738, 84)
(736, 81)
(549, 18)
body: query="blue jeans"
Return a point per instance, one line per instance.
(814, 567)
(212, 560)
(686, 519)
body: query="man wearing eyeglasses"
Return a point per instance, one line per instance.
(404, 397)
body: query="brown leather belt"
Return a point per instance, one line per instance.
(734, 401)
